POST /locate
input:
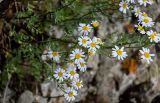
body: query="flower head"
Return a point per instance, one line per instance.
(54, 55)
(83, 41)
(77, 84)
(147, 22)
(82, 66)
(146, 55)
(93, 44)
(123, 6)
(137, 11)
(71, 73)
(70, 94)
(60, 74)
(119, 53)
(143, 2)
(142, 16)
(84, 28)
(91, 53)
(140, 29)
(95, 24)
(77, 55)
(153, 36)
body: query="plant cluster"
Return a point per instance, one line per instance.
(144, 26)
(68, 75)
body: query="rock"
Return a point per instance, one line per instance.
(45, 88)
(40, 99)
(8, 97)
(57, 100)
(93, 62)
(26, 97)
(50, 89)
(54, 90)
(107, 76)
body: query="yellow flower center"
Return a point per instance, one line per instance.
(144, 14)
(60, 74)
(144, 0)
(93, 44)
(78, 56)
(119, 52)
(140, 28)
(138, 11)
(55, 53)
(152, 36)
(95, 24)
(124, 5)
(146, 54)
(78, 84)
(84, 41)
(90, 53)
(85, 28)
(146, 20)
(72, 73)
(70, 94)
(82, 64)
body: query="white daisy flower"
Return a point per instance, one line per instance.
(91, 53)
(77, 55)
(93, 44)
(123, 6)
(142, 16)
(147, 22)
(130, 1)
(77, 84)
(83, 41)
(84, 28)
(140, 29)
(119, 53)
(143, 2)
(82, 66)
(71, 73)
(60, 74)
(70, 94)
(137, 11)
(95, 24)
(54, 55)
(153, 36)
(146, 55)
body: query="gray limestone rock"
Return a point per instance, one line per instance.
(26, 97)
